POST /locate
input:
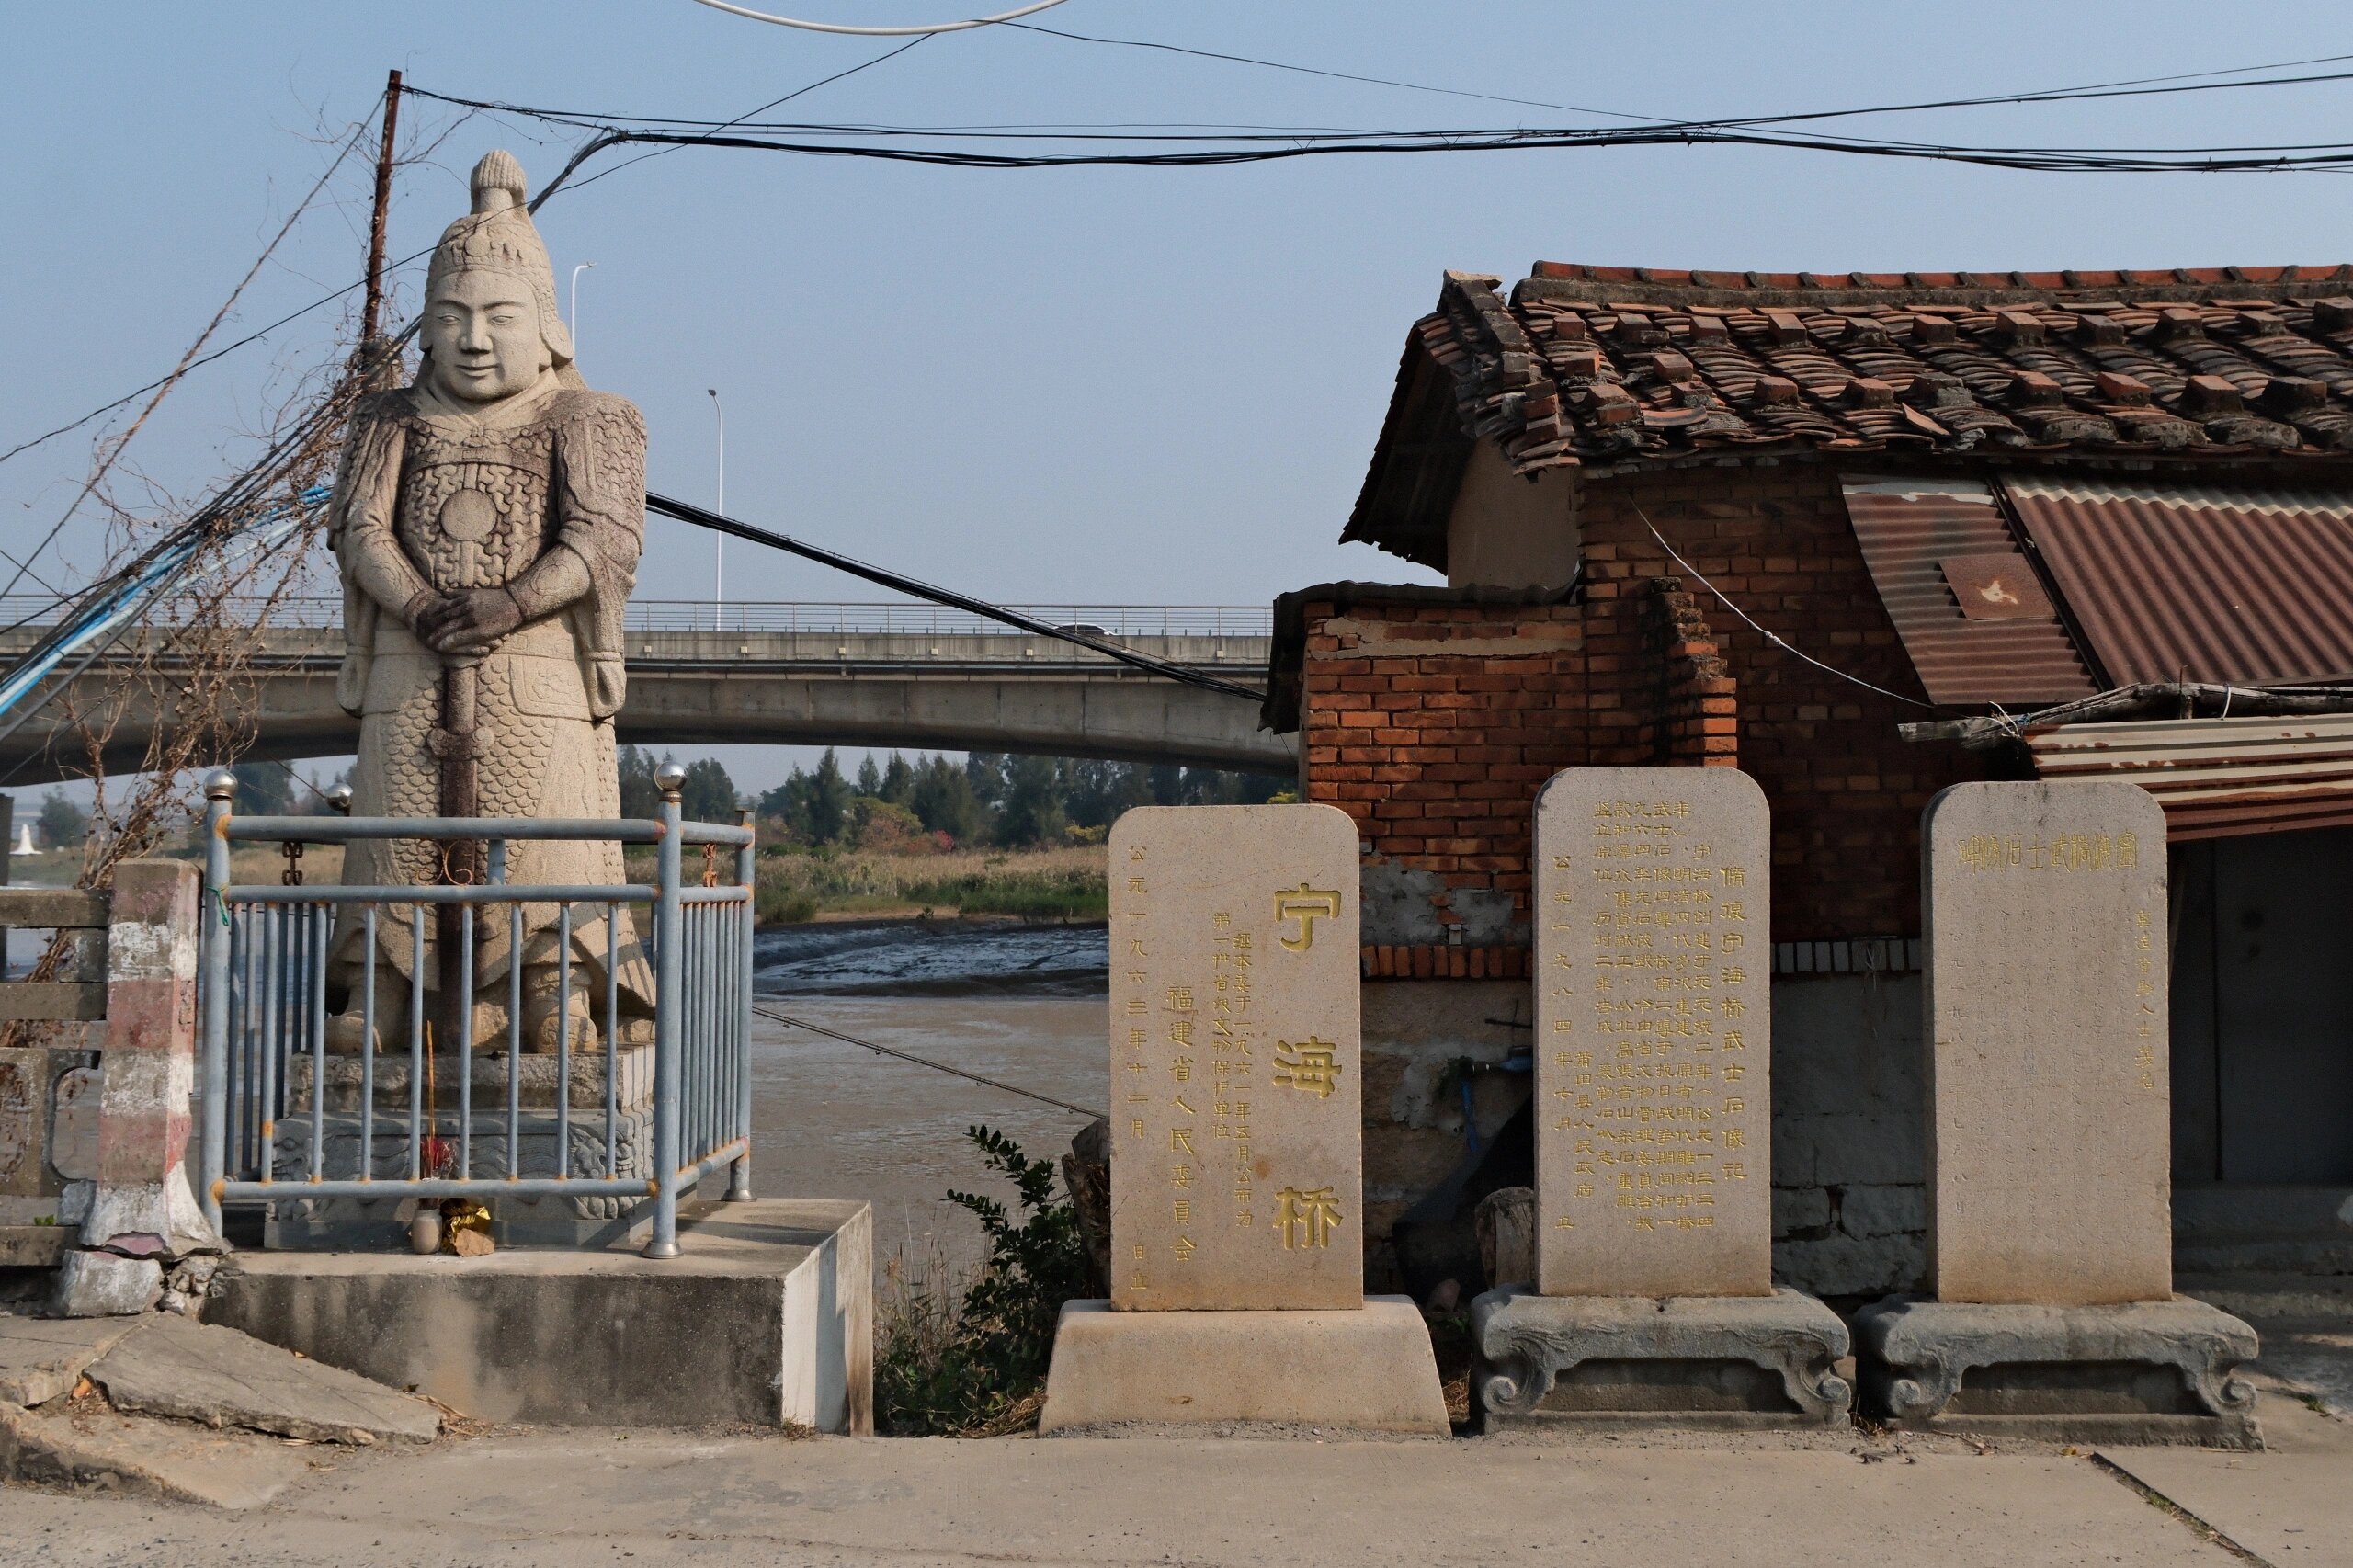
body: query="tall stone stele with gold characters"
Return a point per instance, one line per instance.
(487, 522)
(1236, 1126)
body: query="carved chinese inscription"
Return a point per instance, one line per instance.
(1236, 1171)
(1654, 1042)
(2046, 1003)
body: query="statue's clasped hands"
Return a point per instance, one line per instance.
(467, 621)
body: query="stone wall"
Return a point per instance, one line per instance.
(1421, 1040)
(1849, 1134)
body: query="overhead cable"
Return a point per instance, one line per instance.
(1775, 638)
(746, 12)
(2251, 159)
(915, 588)
(2146, 87)
(792, 1022)
(2049, 94)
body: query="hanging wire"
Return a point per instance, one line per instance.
(790, 1022)
(1775, 638)
(925, 30)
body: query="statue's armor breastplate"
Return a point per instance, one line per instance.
(473, 510)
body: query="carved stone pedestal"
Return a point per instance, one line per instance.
(1365, 1368)
(2137, 1372)
(1723, 1362)
(380, 1223)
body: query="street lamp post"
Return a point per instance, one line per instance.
(719, 540)
(574, 317)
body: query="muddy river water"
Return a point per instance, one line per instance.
(1020, 1004)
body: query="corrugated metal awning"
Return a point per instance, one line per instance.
(2217, 777)
(1929, 541)
(2238, 583)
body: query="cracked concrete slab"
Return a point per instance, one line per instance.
(42, 1358)
(2289, 1506)
(97, 1450)
(564, 1498)
(219, 1377)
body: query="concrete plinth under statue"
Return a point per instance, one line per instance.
(1725, 1362)
(2133, 1372)
(1364, 1369)
(765, 1317)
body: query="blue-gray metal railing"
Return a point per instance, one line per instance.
(881, 617)
(271, 1090)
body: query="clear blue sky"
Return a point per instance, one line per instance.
(1093, 385)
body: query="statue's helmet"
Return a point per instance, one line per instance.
(499, 236)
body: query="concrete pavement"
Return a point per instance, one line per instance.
(585, 1496)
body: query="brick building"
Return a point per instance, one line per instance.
(1864, 537)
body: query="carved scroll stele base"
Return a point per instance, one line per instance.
(1707, 1361)
(2138, 1372)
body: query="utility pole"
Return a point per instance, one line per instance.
(371, 309)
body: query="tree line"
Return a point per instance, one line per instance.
(989, 798)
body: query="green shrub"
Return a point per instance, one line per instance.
(980, 1369)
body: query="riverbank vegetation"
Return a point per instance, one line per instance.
(990, 800)
(994, 834)
(966, 1357)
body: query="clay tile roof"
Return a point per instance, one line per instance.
(1612, 367)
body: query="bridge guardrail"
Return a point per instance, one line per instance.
(875, 618)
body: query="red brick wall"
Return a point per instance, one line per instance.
(1434, 725)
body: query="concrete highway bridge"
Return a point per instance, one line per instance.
(904, 676)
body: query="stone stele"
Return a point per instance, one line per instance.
(2050, 1220)
(1236, 1067)
(1237, 1176)
(1654, 966)
(2050, 1165)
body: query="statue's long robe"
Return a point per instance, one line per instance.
(433, 496)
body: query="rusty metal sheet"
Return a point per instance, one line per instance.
(1913, 532)
(2249, 584)
(2217, 777)
(1996, 587)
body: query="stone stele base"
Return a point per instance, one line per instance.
(1723, 1362)
(765, 1318)
(1368, 1368)
(2139, 1372)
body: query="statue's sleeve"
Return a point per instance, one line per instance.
(361, 528)
(601, 518)
(360, 531)
(600, 489)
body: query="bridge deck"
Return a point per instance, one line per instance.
(879, 675)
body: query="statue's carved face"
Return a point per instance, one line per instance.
(481, 336)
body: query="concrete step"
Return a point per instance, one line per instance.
(81, 1444)
(219, 1378)
(43, 1358)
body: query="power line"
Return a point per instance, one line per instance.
(792, 1022)
(916, 588)
(1315, 70)
(2195, 82)
(2249, 159)
(2325, 156)
(583, 155)
(1000, 17)
(1775, 638)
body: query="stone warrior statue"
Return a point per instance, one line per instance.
(488, 520)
